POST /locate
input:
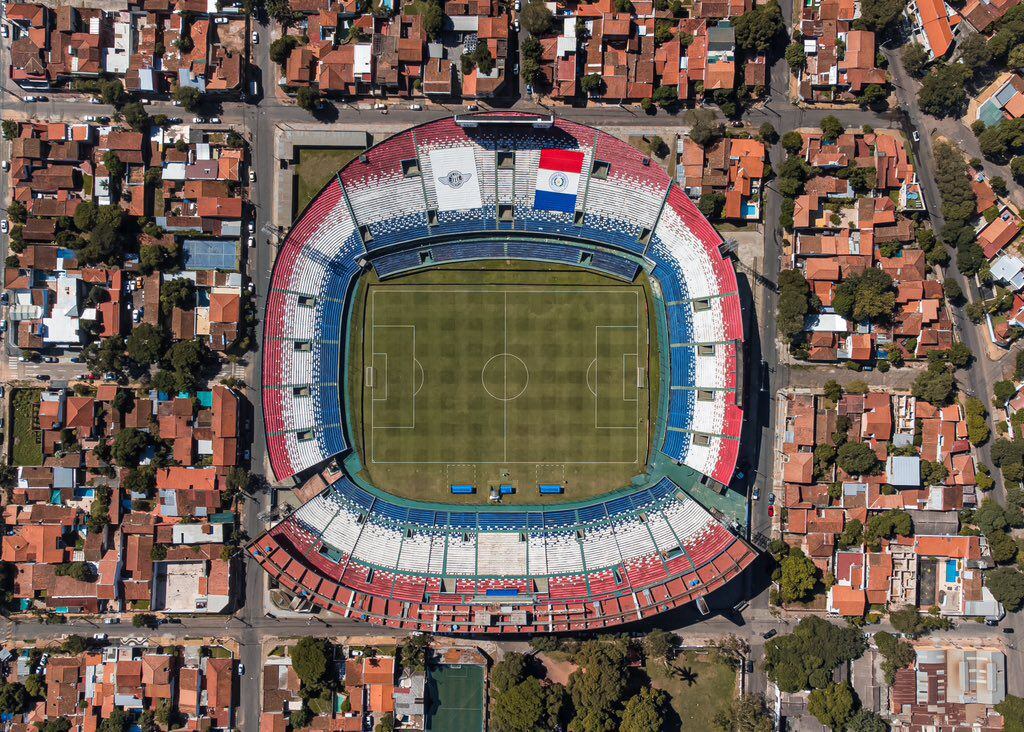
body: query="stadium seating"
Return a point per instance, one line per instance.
(400, 207)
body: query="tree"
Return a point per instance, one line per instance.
(118, 721)
(80, 571)
(129, 444)
(645, 712)
(934, 385)
(974, 53)
(386, 723)
(307, 98)
(857, 458)
(136, 116)
(433, 20)
(60, 724)
(1003, 392)
(145, 344)
(536, 18)
(177, 293)
(915, 58)
(832, 706)
(660, 644)
(794, 301)
(879, 15)
(526, 707)
(799, 576)
(10, 129)
(767, 133)
(592, 84)
(711, 205)
(805, 658)
(943, 93)
(310, 658)
(112, 92)
(35, 685)
(757, 29)
(853, 534)
(874, 95)
(599, 683)
(143, 620)
(898, 654)
(282, 48)
(795, 56)
(141, 480)
(665, 96)
(747, 713)
(831, 127)
(885, 525)
(867, 297)
(703, 132)
(413, 652)
(189, 97)
(792, 141)
(1007, 586)
(510, 671)
(1012, 709)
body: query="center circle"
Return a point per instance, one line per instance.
(505, 377)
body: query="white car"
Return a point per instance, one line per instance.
(252, 241)
(5, 165)
(30, 98)
(252, 175)
(175, 103)
(241, 669)
(252, 225)
(415, 107)
(255, 37)
(89, 118)
(380, 105)
(518, 5)
(199, 120)
(94, 100)
(214, 120)
(220, 21)
(515, 25)
(6, 32)
(4, 226)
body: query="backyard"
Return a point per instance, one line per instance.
(316, 166)
(26, 439)
(700, 683)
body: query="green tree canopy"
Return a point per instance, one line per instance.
(746, 713)
(943, 93)
(805, 658)
(857, 458)
(129, 444)
(145, 344)
(867, 297)
(799, 576)
(832, 706)
(757, 29)
(311, 661)
(645, 712)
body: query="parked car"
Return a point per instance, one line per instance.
(241, 669)
(214, 120)
(6, 32)
(76, 359)
(4, 226)
(255, 37)
(220, 21)
(99, 636)
(50, 359)
(94, 100)
(252, 175)
(771, 499)
(770, 634)
(252, 225)
(756, 495)
(771, 511)
(1008, 631)
(5, 165)
(112, 621)
(252, 241)
(199, 120)
(415, 107)
(917, 136)
(88, 118)
(43, 377)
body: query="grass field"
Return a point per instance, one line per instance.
(27, 447)
(314, 168)
(712, 689)
(493, 377)
(455, 699)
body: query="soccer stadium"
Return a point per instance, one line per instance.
(511, 347)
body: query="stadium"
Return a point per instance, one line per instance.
(512, 349)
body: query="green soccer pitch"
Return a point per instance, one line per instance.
(493, 376)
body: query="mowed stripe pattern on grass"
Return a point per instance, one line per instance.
(505, 374)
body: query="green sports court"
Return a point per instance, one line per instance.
(488, 377)
(455, 698)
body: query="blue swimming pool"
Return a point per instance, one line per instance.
(952, 571)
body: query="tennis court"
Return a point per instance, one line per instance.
(455, 698)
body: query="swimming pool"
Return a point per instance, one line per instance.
(952, 571)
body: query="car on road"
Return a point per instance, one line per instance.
(43, 377)
(1008, 631)
(5, 165)
(518, 5)
(252, 224)
(214, 120)
(6, 32)
(175, 103)
(2, 392)
(515, 25)
(771, 511)
(472, 107)
(917, 136)
(241, 669)
(415, 107)
(199, 120)
(515, 68)
(31, 98)
(221, 21)
(94, 100)
(76, 359)
(771, 499)
(89, 118)
(252, 175)
(50, 359)
(755, 495)
(749, 666)
(4, 226)
(255, 37)
(769, 634)
(99, 636)
(252, 241)
(112, 621)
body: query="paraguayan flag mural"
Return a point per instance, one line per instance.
(558, 180)
(455, 179)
